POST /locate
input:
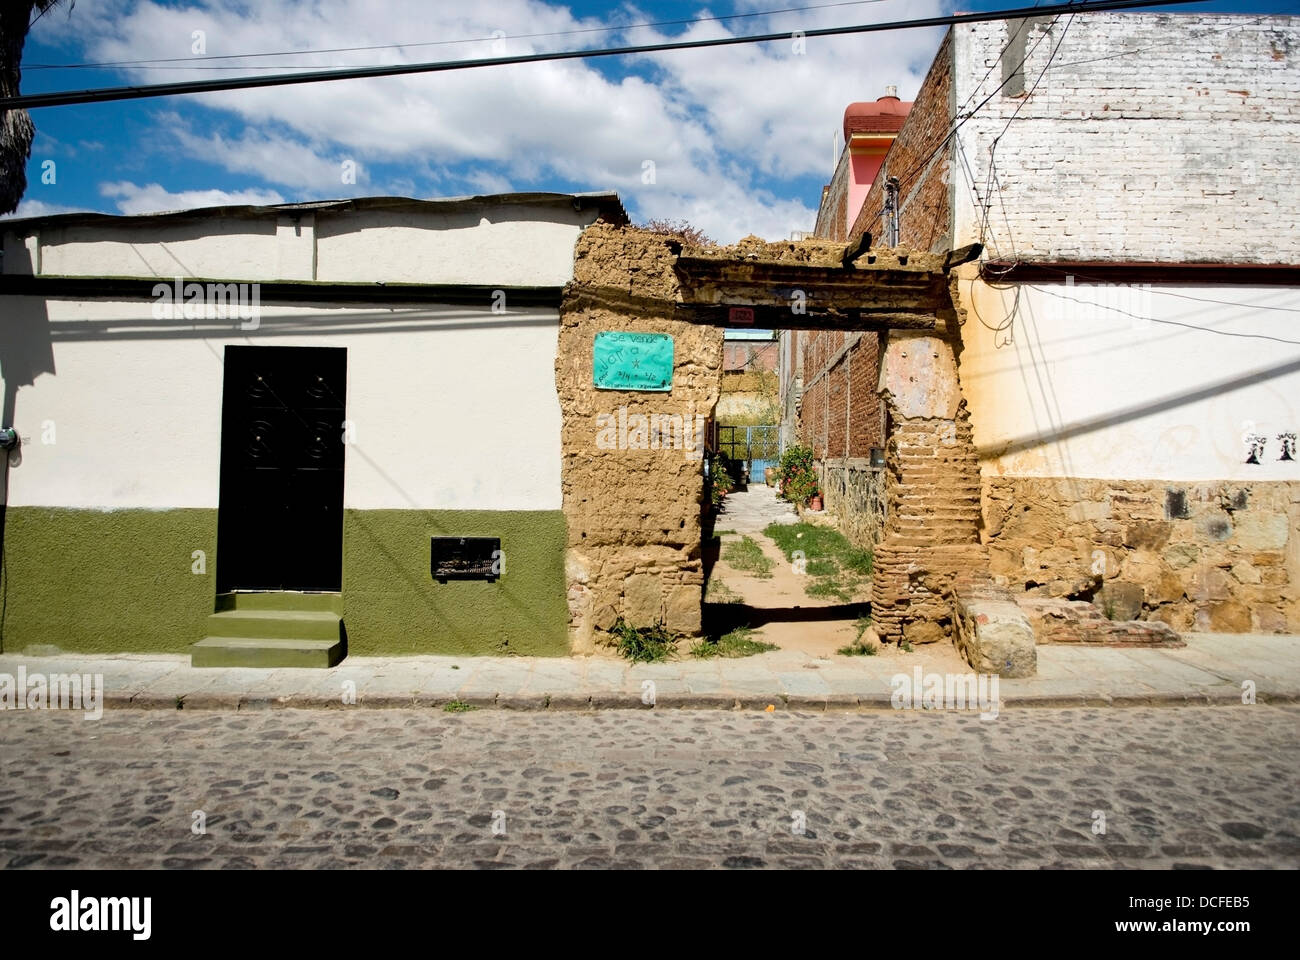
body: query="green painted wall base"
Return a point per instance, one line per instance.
(392, 605)
(129, 581)
(107, 582)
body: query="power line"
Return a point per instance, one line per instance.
(961, 118)
(993, 147)
(432, 43)
(109, 94)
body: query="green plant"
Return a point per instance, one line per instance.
(745, 554)
(798, 478)
(828, 588)
(1108, 606)
(860, 647)
(724, 477)
(718, 592)
(835, 568)
(904, 646)
(458, 706)
(737, 643)
(642, 644)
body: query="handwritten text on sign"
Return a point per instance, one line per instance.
(632, 361)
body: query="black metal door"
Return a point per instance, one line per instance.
(280, 520)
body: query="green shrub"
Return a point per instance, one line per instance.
(798, 478)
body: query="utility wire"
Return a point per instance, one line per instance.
(433, 43)
(109, 94)
(961, 118)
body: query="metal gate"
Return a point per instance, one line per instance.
(757, 447)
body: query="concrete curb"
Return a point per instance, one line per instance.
(752, 703)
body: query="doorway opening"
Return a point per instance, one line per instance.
(280, 515)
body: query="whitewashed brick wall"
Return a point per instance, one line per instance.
(1171, 137)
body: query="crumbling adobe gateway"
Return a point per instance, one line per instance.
(634, 532)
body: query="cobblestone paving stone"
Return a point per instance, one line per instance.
(1180, 786)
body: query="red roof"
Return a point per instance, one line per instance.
(885, 115)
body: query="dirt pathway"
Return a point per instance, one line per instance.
(780, 608)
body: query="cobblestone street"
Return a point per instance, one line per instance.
(1196, 786)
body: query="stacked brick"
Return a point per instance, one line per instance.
(932, 528)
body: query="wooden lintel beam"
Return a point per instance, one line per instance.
(772, 315)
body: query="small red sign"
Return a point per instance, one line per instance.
(743, 315)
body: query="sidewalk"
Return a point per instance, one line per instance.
(1210, 669)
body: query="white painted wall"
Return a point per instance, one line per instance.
(453, 408)
(1079, 386)
(480, 244)
(1150, 136)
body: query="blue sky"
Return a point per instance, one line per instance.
(739, 139)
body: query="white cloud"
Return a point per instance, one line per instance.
(153, 198)
(724, 126)
(38, 208)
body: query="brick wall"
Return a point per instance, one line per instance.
(741, 356)
(1153, 136)
(924, 205)
(832, 214)
(841, 372)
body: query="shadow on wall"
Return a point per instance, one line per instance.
(1137, 411)
(26, 351)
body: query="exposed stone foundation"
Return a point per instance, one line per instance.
(1078, 621)
(1217, 556)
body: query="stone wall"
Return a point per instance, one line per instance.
(854, 493)
(1218, 556)
(633, 515)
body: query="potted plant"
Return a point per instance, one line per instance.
(722, 479)
(815, 502)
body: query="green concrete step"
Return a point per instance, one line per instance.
(257, 652)
(273, 629)
(276, 624)
(281, 600)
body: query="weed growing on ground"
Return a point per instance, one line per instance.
(642, 644)
(745, 554)
(719, 592)
(835, 568)
(860, 647)
(737, 643)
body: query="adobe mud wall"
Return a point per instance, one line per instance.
(633, 513)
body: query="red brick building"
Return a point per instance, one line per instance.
(829, 379)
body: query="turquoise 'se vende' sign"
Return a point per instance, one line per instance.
(632, 361)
